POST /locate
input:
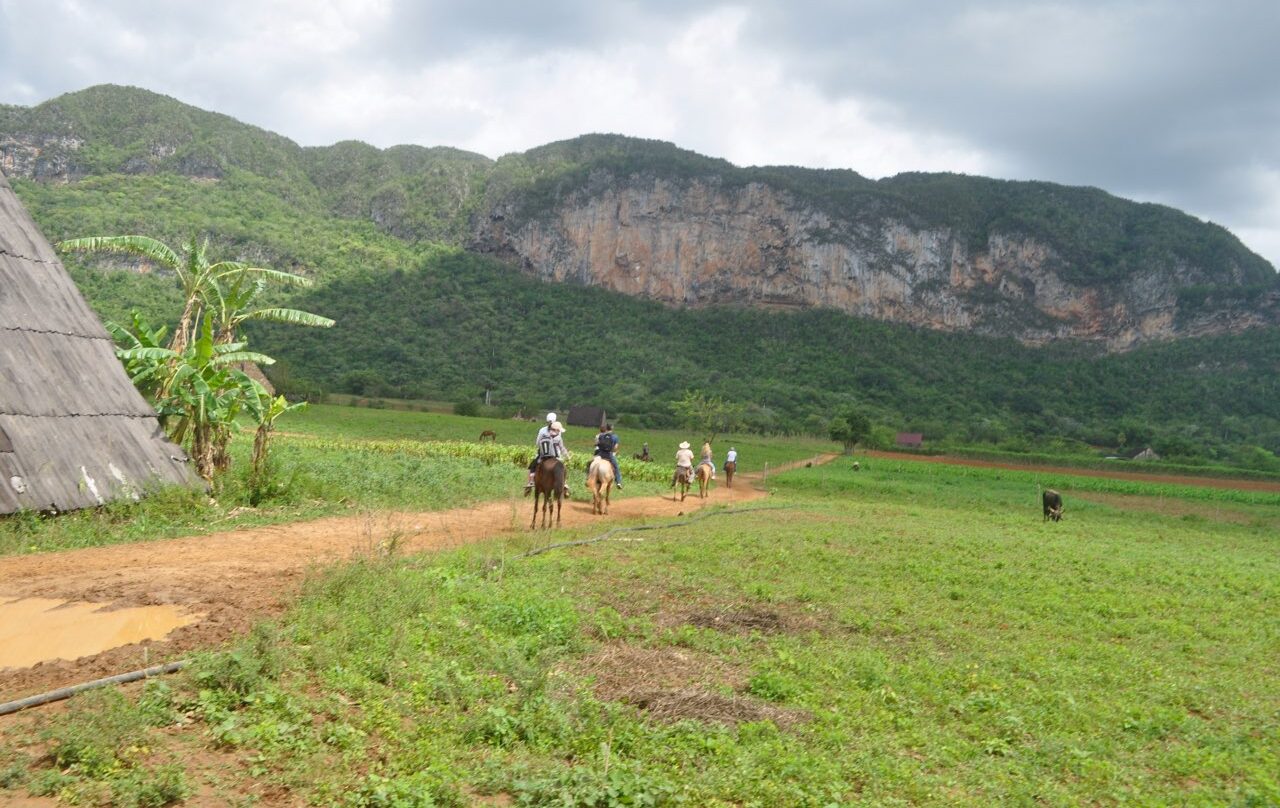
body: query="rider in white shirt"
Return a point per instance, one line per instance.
(684, 460)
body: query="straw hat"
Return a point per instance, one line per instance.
(684, 444)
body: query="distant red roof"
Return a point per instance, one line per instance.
(910, 439)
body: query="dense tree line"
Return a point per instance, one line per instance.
(459, 324)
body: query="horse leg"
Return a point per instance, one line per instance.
(536, 494)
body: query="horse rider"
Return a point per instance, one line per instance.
(644, 453)
(607, 447)
(549, 443)
(706, 458)
(731, 457)
(684, 463)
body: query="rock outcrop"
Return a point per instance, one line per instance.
(699, 242)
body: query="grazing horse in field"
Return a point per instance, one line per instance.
(489, 435)
(600, 483)
(730, 468)
(703, 473)
(548, 480)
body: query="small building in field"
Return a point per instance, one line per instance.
(593, 417)
(910, 440)
(74, 432)
(1146, 454)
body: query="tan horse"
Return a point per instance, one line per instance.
(600, 483)
(730, 468)
(703, 473)
(548, 480)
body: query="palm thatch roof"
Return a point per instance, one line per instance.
(74, 432)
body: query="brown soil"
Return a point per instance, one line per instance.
(236, 578)
(1207, 482)
(676, 684)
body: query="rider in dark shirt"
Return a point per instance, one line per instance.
(607, 447)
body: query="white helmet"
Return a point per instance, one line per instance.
(551, 418)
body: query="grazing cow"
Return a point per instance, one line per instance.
(1052, 505)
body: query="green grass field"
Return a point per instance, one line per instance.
(331, 459)
(363, 423)
(910, 634)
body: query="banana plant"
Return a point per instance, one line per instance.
(234, 297)
(198, 392)
(206, 286)
(193, 382)
(264, 410)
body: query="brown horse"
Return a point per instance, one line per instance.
(703, 473)
(681, 480)
(730, 468)
(600, 483)
(548, 479)
(489, 435)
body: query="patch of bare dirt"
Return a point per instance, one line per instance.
(746, 621)
(239, 577)
(619, 668)
(677, 684)
(695, 704)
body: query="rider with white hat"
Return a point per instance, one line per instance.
(549, 443)
(684, 461)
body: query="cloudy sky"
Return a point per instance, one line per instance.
(1174, 101)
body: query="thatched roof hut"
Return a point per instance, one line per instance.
(73, 430)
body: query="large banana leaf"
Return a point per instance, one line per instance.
(290, 316)
(144, 246)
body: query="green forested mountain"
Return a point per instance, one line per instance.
(455, 324)
(385, 234)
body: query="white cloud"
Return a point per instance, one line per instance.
(701, 88)
(1152, 100)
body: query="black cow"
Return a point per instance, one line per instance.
(1052, 505)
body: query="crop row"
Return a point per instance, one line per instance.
(487, 453)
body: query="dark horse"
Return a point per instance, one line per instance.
(730, 468)
(548, 479)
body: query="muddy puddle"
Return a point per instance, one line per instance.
(39, 629)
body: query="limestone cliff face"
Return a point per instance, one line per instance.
(695, 243)
(45, 157)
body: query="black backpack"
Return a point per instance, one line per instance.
(604, 442)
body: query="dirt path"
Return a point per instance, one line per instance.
(1137, 476)
(236, 578)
